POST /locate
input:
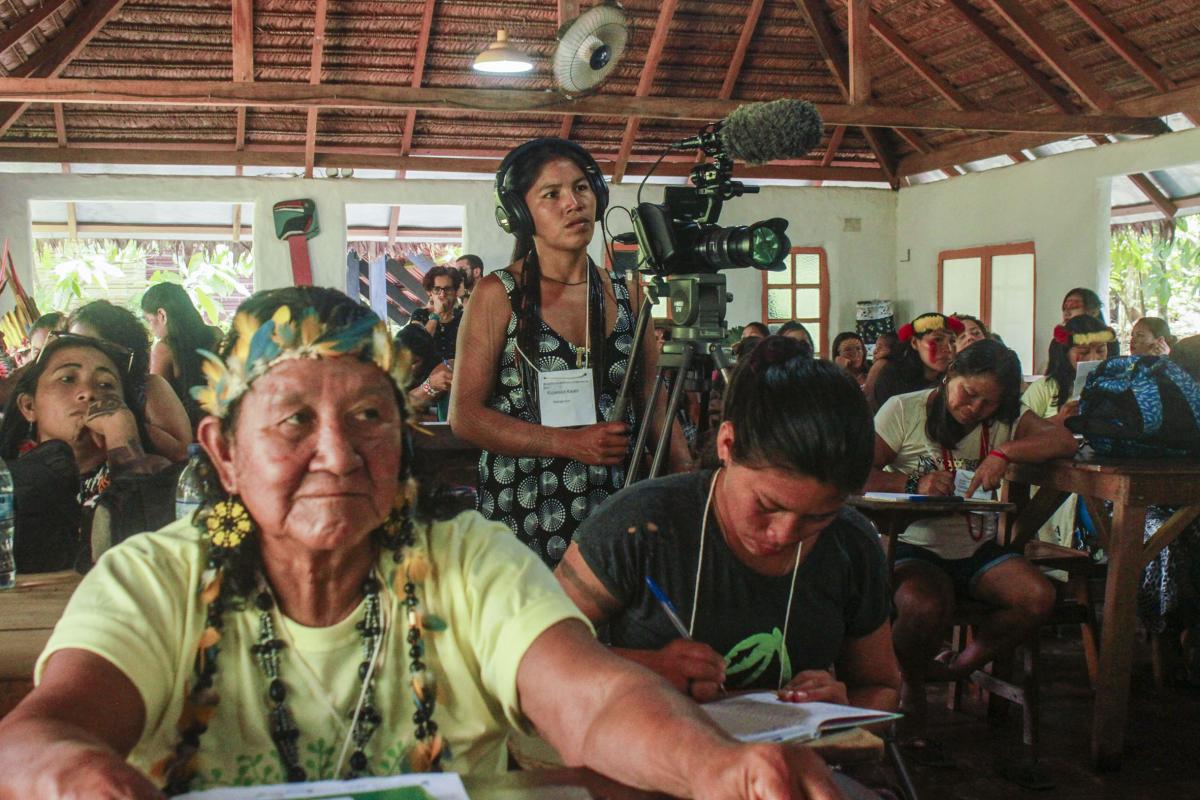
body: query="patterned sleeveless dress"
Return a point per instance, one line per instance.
(543, 500)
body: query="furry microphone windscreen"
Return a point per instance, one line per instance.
(760, 132)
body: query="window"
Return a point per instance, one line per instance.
(800, 292)
(91, 250)
(997, 284)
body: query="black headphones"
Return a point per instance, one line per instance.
(511, 212)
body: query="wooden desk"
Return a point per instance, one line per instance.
(1130, 486)
(891, 517)
(28, 613)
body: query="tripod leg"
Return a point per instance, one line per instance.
(639, 333)
(664, 437)
(639, 446)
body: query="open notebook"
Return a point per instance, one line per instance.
(763, 717)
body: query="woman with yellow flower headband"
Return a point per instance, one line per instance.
(1081, 338)
(311, 622)
(926, 349)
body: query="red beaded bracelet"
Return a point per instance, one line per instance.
(1000, 454)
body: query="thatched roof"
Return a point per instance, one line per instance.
(1131, 58)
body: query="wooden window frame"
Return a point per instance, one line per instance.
(985, 254)
(822, 290)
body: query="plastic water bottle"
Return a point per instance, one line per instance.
(8, 562)
(188, 492)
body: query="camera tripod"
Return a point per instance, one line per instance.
(686, 361)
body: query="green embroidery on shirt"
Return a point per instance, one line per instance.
(756, 652)
(319, 764)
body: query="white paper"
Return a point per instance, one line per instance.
(439, 786)
(763, 717)
(566, 398)
(1082, 370)
(962, 481)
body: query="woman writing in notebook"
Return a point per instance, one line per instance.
(774, 579)
(971, 421)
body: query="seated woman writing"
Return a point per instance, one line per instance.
(778, 584)
(310, 623)
(970, 421)
(68, 431)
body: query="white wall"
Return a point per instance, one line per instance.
(1060, 203)
(859, 265)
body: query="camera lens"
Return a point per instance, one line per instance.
(760, 245)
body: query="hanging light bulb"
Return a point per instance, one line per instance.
(501, 57)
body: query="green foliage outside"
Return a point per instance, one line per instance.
(1156, 275)
(69, 273)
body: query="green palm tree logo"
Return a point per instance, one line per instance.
(756, 652)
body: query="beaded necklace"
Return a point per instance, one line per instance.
(200, 704)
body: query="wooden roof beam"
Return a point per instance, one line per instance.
(23, 26)
(658, 42)
(242, 24)
(1053, 53)
(567, 11)
(200, 153)
(1121, 44)
(1160, 201)
(1159, 105)
(53, 57)
(734, 70)
(1015, 56)
(918, 63)
(838, 61)
(215, 94)
(418, 75)
(813, 12)
(858, 40)
(887, 161)
(314, 78)
(931, 76)
(835, 144)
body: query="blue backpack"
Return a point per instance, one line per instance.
(1140, 407)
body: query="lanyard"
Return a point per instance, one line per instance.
(975, 526)
(984, 449)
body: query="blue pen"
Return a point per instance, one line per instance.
(672, 614)
(668, 607)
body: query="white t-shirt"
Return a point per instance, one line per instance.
(139, 609)
(900, 422)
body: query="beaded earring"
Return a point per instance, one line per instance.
(228, 523)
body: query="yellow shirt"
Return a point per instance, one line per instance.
(139, 609)
(1040, 398)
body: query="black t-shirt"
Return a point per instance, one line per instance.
(653, 528)
(445, 336)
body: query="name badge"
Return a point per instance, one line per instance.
(566, 398)
(962, 482)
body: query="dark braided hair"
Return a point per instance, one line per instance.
(985, 357)
(525, 170)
